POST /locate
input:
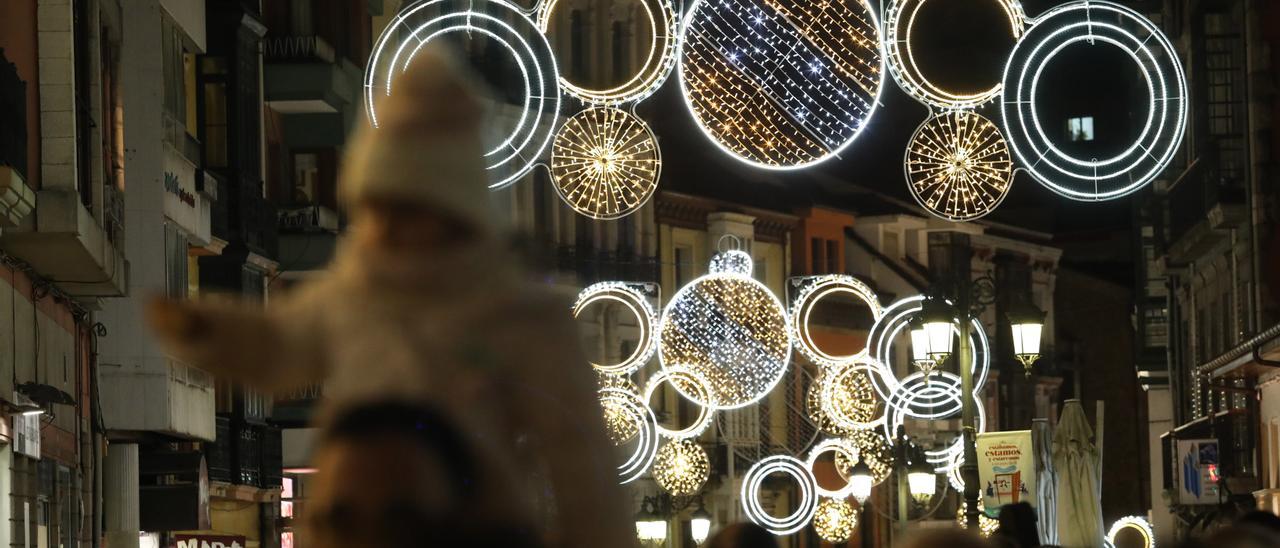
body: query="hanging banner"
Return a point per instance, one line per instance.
(1198, 472)
(1006, 468)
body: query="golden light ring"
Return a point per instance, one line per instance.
(639, 306)
(657, 66)
(605, 163)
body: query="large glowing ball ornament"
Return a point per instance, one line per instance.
(681, 468)
(806, 503)
(835, 520)
(659, 58)
(728, 329)
(605, 163)
(526, 131)
(1090, 24)
(958, 166)
(781, 84)
(900, 19)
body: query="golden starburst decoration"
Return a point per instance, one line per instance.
(681, 467)
(958, 166)
(605, 163)
(835, 520)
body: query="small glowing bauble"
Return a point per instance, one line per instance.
(646, 424)
(848, 398)
(730, 330)
(814, 289)
(1138, 524)
(629, 296)
(732, 262)
(690, 383)
(806, 503)
(900, 18)
(873, 450)
(681, 468)
(525, 137)
(835, 520)
(605, 163)
(986, 526)
(958, 166)
(658, 60)
(781, 85)
(619, 420)
(1089, 24)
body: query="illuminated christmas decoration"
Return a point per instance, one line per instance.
(940, 394)
(872, 449)
(885, 333)
(1090, 23)
(813, 290)
(646, 424)
(1135, 523)
(958, 166)
(813, 407)
(900, 19)
(681, 468)
(658, 61)
(733, 261)
(633, 299)
(619, 421)
(688, 382)
(730, 330)
(848, 397)
(805, 507)
(605, 163)
(835, 520)
(781, 85)
(844, 449)
(502, 24)
(986, 526)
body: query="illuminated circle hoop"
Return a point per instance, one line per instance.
(941, 398)
(659, 60)
(958, 166)
(514, 154)
(836, 445)
(781, 85)
(629, 296)
(751, 494)
(678, 375)
(605, 163)
(900, 18)
(814, 291)
(1137, 523)
(1081, 23)
(896, 318)
(646, 423)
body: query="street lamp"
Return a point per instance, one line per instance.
(922, 481)
(700, 524)
(920, 349)
(861, 481)
(1027, 323)
(651, 528)
(937, 322)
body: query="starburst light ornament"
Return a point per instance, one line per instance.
(605, 163)
(781, 84)
(619, 420)
(958, 167)
(728, 329)
(681, 468)
(835, 520)
(986, 525)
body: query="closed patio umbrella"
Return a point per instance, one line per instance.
(1077, 462)
(1046, 481)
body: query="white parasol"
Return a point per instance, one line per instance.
(1077, 461)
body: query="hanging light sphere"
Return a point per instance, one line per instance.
(986, 525)
(619, 420)
(872, 450)
(958, 166)
(681, 468)
(835, 520)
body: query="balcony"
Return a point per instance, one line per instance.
(1203, 207)
(305, 76)
(152, 393)
(64, 242)
(244, 454)
(308, 236)
(294, 408)
(243, 214)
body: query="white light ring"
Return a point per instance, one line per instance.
(533, 56)
(750, 494)
(875, 372)
(657, 66)
(874, 101)
(908, 162)
(705, 414)
(808, 299)
(632, 161)
(943, 459)
(897, 316)
(1162, 134)
(784, 360)
(901, 59)
(1137, 523)
(639, 306)
(835, 445)
(647, 447)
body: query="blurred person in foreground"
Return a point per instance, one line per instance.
(944, 538)
(424, 302)
(1017, 526)
(742, 535)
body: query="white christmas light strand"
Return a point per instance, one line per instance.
(630, 297)
(1137, 523)
(502, 23)
(605, 163)
(646, 424)
(1086, 23)
(958, 166)
(781, 85)
(750, 495)
(689, 382)
(657, 65)
(834, 445)
(813, 290)
(900, 20)
(886, 331)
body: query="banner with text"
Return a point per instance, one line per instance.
(1006, 468)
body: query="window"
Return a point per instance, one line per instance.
(191, 122)
(306, 176)
(215, 111)
(684, 265)
(815, 255)
(175, 252)
(1080, 129)
(832, 258)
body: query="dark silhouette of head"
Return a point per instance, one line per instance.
(743, 535)
(1018, 525)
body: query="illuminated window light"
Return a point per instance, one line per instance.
(750, 495)
(958, 166)
(605, 163)
(1081, 23)
(657, 65)
(505, 25)
(781, 85)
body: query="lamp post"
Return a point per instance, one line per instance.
(651, 520)
(700, 524)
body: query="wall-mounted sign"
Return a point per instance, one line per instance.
(173, 185)
(26, 432)
(209, 541)
(1198, 472)
(183, 203)
(1006, 468)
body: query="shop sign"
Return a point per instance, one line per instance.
(1198, 472)
(209, 541)
(181, 205)
(1006, 468)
